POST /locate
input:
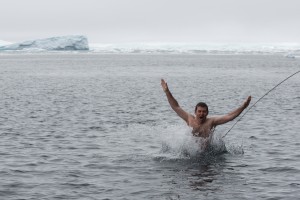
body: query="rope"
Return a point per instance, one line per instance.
(258, 101)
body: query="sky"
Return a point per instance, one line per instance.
(153, 21)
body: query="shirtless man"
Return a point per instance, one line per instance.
(201, 124)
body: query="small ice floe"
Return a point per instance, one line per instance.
(290, 55)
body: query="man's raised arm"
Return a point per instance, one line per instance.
(232, 115)
(173, 103)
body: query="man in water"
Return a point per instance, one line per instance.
(201, 124)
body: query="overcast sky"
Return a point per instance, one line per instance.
(135, 21)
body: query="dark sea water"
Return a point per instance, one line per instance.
(98, 126)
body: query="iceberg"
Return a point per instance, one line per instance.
(63, 43)
(3, 43)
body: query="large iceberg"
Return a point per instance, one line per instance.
(63, 43)
(3, 43)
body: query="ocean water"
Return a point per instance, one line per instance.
(98, 126)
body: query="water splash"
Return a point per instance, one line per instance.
(178, 143)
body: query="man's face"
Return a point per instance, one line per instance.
(201, 113)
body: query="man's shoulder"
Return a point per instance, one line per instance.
(215, 116)
(211, 119)
(191, 116)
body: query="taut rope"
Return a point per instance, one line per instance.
(258, 101)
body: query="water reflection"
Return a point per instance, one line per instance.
(196, 173)
(206, 171)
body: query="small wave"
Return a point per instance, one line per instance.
(78, 185)
(235, 149)
(280, 169)
(295, 184)
(8, 192)
(253, 138)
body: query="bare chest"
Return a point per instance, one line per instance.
(201, 130)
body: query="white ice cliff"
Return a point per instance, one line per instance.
(3, 43)
(63, 43)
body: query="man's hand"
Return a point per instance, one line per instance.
(164, 85)
(247, 102)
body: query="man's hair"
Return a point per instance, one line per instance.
(201, 104)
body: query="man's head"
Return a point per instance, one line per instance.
(201, 111)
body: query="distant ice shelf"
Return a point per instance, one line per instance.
(79, 43)
(63, 43)
(209, 48)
